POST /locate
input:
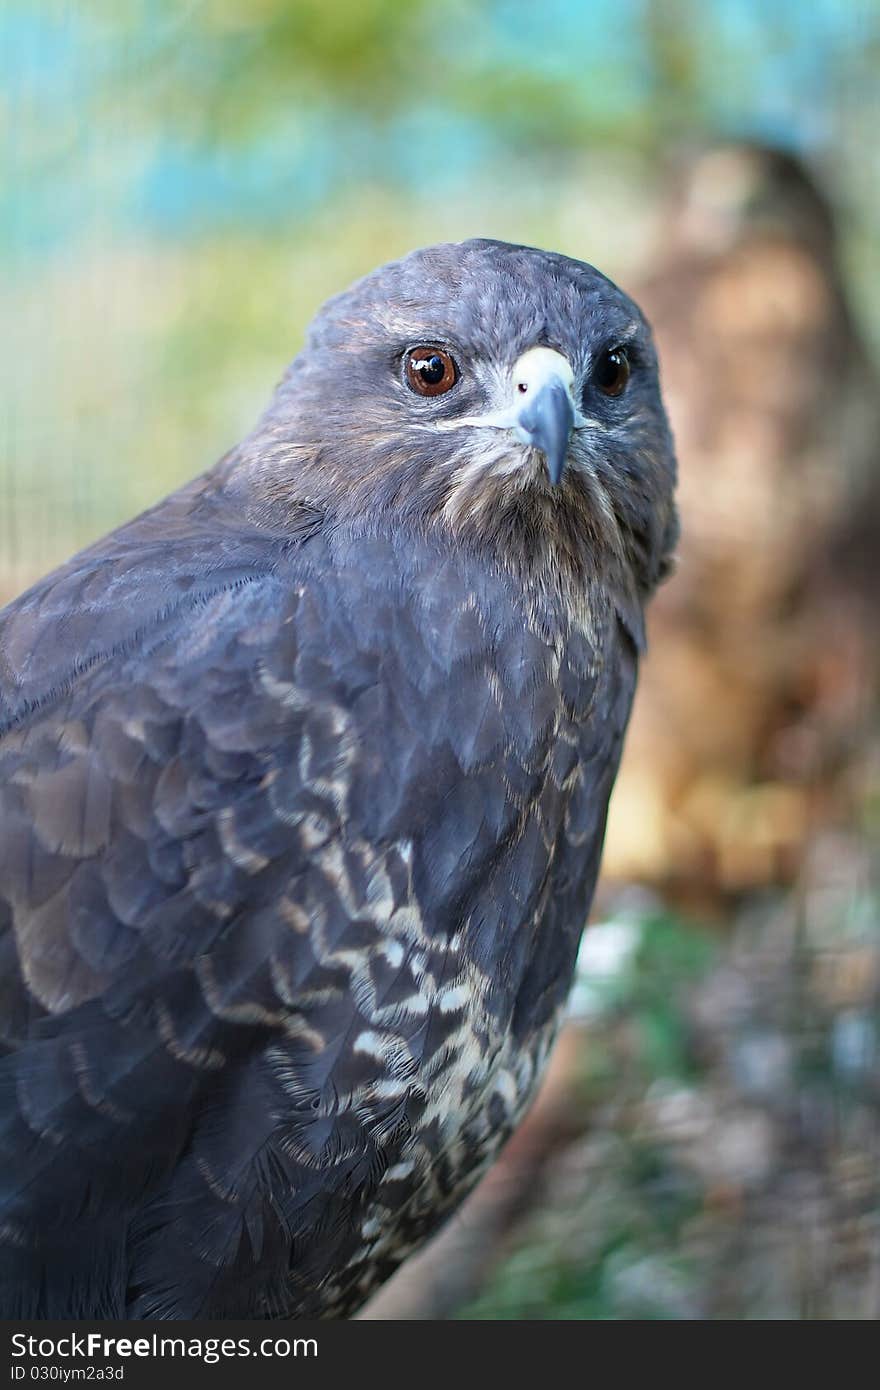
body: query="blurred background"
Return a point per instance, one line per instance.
(182, 184)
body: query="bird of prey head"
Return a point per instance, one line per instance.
(508, 394)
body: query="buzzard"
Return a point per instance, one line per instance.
(303, 783)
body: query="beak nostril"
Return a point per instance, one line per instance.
(546, 422)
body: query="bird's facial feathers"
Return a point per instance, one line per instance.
(508, 394)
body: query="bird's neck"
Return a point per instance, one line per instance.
(551, 551)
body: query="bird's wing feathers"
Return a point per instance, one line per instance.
(136, 747)
(128, 585)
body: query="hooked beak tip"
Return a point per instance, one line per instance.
(546, 422)
(555, 467)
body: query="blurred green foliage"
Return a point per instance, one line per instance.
(731, 1115)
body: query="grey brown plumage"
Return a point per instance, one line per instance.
(303, 780)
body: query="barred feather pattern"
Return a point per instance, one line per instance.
(297, 839)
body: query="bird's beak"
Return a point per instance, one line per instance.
(542, 412)
(546, 421)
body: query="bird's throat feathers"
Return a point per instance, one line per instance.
(553, 546)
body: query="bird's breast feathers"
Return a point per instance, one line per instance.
(316, 843)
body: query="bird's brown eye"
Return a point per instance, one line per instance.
(612, 372)
(430, 371)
